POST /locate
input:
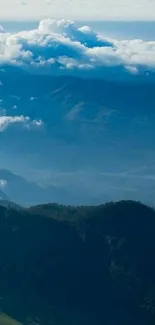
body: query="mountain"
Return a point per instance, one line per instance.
(27, 193)
(3, 196)
(78, 265)
(89, 139)
(20, 190)
(10, 204)
(44, 96)
(6, 202)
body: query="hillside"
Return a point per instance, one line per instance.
(10, 204)
(6, 320)
(78, 266)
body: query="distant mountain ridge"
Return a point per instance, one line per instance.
(10, 205)
(3, 196)
(27, 193)
(89, 139)
(61, 93)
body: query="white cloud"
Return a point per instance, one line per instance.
(6, 121)
(32, 99)
(59, 46)
(3, 183)
(38, 123)
(132, 69)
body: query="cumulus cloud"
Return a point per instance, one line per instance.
(6, 121)
(59, 46)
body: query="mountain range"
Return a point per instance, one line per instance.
(26, 193)
(3, 196)
(90, 139)
(78, 265)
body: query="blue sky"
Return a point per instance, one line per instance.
(120, 29)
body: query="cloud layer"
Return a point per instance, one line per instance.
(59, 46)
(23, 10)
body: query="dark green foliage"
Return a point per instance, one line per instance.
(78, 265)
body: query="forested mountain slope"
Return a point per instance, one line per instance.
(86, 265)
